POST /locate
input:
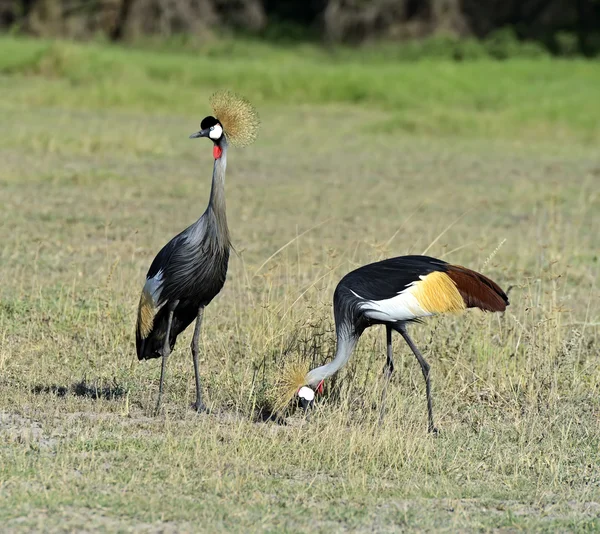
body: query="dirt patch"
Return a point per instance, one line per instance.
(25, 431)
(88, 520)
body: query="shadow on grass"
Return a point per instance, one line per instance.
(265, 415)
(83, 388)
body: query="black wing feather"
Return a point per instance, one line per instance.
(377, 281)
(385, 279)
(163, 258)
(193, 273)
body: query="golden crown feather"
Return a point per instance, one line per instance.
(291, 379)
(238, 117)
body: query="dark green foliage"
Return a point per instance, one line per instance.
(460, 30)
(504, 44)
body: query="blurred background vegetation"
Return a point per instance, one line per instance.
(459, 29)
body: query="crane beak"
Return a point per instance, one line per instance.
(201, 133)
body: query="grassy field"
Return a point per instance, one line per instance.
(490, 165)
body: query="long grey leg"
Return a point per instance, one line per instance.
(425, 368)
(389, 364)
(166, 352)
(199, 405)
(387, 371)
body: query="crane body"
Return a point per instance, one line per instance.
(395, 292)
(190, 270)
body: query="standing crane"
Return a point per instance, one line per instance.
(190, 269)
(393, 292)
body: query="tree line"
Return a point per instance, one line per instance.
(561, 26)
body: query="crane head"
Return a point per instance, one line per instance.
(306, 396)
(294, 382)
(211, 128)
(233, 119)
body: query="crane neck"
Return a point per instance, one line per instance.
(346, 342)
(216, 205)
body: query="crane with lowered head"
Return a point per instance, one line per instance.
(190, 270)
(393, 292)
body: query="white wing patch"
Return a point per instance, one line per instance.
(402, 307)
(153, 286)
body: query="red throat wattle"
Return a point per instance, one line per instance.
(217, 151)
(319, 389)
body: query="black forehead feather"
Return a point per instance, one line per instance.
(207, 122)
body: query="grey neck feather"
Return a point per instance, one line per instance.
(345, 346)
(216, 212)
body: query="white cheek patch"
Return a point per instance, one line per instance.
(216, 132)
(306, 393)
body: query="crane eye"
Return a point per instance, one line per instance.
(212, 128)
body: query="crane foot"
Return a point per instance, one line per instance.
(199, 407)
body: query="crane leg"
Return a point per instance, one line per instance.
(387, 371)
(389, 364)
(198, 405)
(166, 352)
(425, 367)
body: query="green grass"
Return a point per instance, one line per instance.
(98, 173)
(541, 99)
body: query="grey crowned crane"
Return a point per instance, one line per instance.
(393, 292)
(190, 269)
